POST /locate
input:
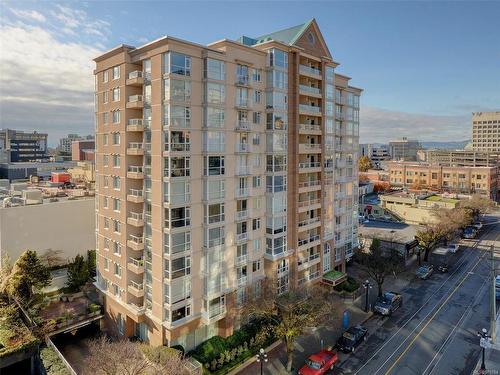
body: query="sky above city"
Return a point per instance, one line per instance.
(424, 66)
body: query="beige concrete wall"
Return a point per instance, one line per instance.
(66, 225)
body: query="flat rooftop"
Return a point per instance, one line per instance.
(398, 232)
(437, 198)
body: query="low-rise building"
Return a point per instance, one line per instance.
(83, 173)
(442, 178)
(83, 150)
(25, 170)
(65, 225)
(462, 158)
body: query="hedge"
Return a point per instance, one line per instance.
(52, 363)
(350, 285)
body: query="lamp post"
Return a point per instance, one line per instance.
(367, 285)
(483, 342)
(261, 357)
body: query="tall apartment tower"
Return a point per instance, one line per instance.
(486, 131)
(218, 167)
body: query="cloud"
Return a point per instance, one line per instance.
(29, 15)
(383, 125)
(73, 20)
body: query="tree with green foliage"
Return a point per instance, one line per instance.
(378, 263)
(291, 314)
(364, 163)
(92, 262)
(78, 273)
(28, 275)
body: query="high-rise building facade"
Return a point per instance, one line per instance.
(23, 146)
(486, 131)
(404, 149)
(217, 167)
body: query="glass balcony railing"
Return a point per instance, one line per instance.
(309, 70)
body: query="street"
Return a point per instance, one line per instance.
(435, 331)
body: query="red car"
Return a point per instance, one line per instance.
(319, 363)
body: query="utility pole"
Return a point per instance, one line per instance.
(493, 309)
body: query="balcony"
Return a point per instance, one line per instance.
(242, 147)
(215, 219)
(242, 80)
(309, 167)
(136, 265)
(242, 192)
(135, 242)
(310, 91)
(241, 237)
(182, 147)
(241, 215)
(242, 170)
(241, 260)
(306, 243)
(310, 204)
(137, 124)
(135, 219)
(309, 148)
(308, 276)
(135, 78)
(307, 109)
(135, 148)
(310, 129)
(242, 281)
(135, 102)
(242, 103)
(135, 172)
(135, 196)
(307, 186)
(243, 125)
(310, 71)
(311, 260)
(214, 314)
(136, 289)
(340, 116)
(309, 224)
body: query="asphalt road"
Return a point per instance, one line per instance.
(435, 330)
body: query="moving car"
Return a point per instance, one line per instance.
(319, 363)
(424, 272)
(388, 303)
(453, 247)
(351, 339)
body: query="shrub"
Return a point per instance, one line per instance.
(349, 285)
(179, 348)
(94, 307)
(52, 363)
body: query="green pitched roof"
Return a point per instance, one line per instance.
(288, 36)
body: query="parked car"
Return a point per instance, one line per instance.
(453, 247)
(469, 232)
(319, 363)
(388, 303)
(351, 338)
(424, 272)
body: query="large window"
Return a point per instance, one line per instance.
(177, 90)
(177, 167)
(176, 116)
(214, 237)
(177, 217)
(216, 93)
(215, 69)
(213, 141)
(277, 79)
(177, 63)
(276, 100)
(177, 242)
(214, 117)
(214, 165)
(278, 58)
(214, 189)
(275, 184)
(277, 121)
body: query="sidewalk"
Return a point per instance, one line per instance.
(491, 356)
(306, 345)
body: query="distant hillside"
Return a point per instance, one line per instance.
(454, 145)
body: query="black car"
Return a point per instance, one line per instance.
(351, 338)
(388, 303)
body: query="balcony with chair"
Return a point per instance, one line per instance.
(136, 265)
(135, 242)
(136, 289)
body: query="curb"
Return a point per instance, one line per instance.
(252, 359)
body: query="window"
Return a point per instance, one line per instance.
(216, 93)
(214, 117)
(256, 245)
(213, 141)
(256, 266)
(116, 138)
(180, 267)
(117, 270)
(117, 248)
(181, 313)
(105, 118)
(177, 116)
(177, 242)
(105, 160)
(277, 79)
(256, 117)
(116, 116)
(116, 182)
(106, 264)
(116, 204)
(256, 181)
(278, 58)
(256, 224)
(177, 90)
(116, 226)
(178, 63)
(214, 165)
(215, 69)
(105, 201)
(256, 75)
(105, 76)
(116, 94)
(106, 223)
(105, 97)
(116, 161)
(105, 139)
(257, 95)
(105, 181)
(116, 72)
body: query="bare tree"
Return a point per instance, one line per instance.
(164, 360)
(52, 258)
(291, 314)
(428, 238)
(478, 205)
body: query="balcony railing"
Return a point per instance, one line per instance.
(307, 165)
(135, 169)
(310, 146)
(135, 74)
(242, 237)
(136, 239)
(310, 221)
(310, 128)
(309, 70)
(244, 103)
(242, 192)
(214, 313)
(242, 259)
(310, 89)
(305, 241)
(135, 98)
(212, 219)
(242, 281)
(178, 147)
(308, 184)
(136, 193)
(242, 170)
(309, 108)
(242, 147)
(243, 125)
(242, 80)
(309, 202)
(241, 215)
(135, 145)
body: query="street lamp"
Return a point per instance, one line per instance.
(367, 285)
(483, 342)
(261, 357)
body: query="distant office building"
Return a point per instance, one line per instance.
(404, 149)
(83, 150)
(486, 131)
(461, 158)
(365, 149)
(464, 179)
(379, 155)
(65, 143)
(23, 146)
